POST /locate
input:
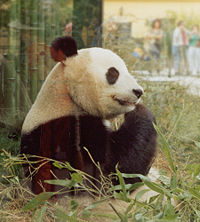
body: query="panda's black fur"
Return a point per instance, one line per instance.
(132, 146)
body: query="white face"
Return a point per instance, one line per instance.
(100, 83)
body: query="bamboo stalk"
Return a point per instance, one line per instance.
(2, 99)
(78, 19)
(9, 66)
(18, 13)
(53, 20)
(52, 30)
(33, 51)
(23, 56)
(57, 24)
(10, 77)
(48, 39)
(1, 57)
(41, 45)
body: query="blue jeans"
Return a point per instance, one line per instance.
(176, 58)
(180, 59)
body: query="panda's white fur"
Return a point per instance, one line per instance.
(90, 89)
(83, 80)
(52, 102)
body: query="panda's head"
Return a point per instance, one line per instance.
(99, 83)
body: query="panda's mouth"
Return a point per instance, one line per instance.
(124, 102)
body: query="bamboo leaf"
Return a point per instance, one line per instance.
(153, 186)
(59, 182)
(197, 144)
(69, 167)
(74, 205)
(95, 204)
(41, 214)
(77, 177)
(121, 180)
(121, 216)
(141, 193)
(65, 183)
(129, 208)
(128, 187)
(58, 165)
(86, 213)
(62, 216)
(122, 194)
(173, 182)
(38, 200)
(194, 193)
(33, 215)
(152, 199)
(126, 175)
(165, 148)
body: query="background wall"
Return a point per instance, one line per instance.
(139, 11)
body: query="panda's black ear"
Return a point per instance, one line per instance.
(66, 44)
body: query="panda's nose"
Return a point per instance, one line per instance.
(138, 92)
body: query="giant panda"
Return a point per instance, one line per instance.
(84, 90)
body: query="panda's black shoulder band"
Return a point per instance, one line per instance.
(66, 44)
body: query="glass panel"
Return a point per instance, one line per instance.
(27, 28)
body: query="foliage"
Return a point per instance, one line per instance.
(177, 118)
(5, 5)
(189, 19)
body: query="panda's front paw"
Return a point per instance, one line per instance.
(140, 112)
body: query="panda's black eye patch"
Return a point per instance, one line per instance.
(112, 75)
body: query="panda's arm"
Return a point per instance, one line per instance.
(133, 146)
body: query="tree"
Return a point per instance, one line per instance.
(87, 20)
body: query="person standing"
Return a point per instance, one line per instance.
(180, 45)
(198, 57)
(68, 29)
(193, 50)
(153, 43)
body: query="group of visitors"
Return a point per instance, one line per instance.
(186, 49)
(185, 43)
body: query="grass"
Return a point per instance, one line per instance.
(177, 117)
(177, 191)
